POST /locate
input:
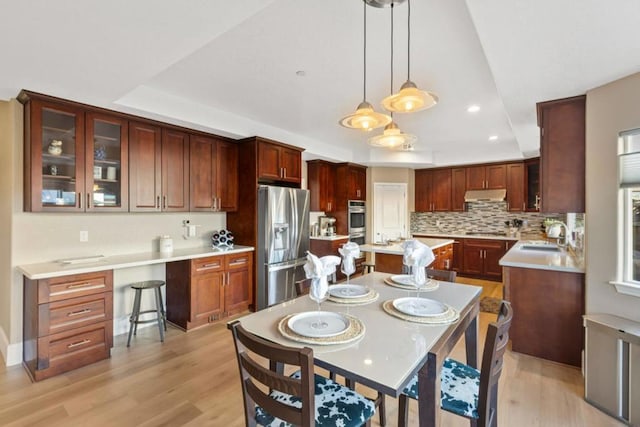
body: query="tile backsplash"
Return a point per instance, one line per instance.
(479, 217)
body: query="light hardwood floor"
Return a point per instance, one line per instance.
(192, 380)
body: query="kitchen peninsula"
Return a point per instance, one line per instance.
(388, 256)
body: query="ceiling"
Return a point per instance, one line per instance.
(231, 68)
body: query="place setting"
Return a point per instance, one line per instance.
(348, 293)
(324, 327)
(418, 256)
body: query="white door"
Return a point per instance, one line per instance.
(389, 211)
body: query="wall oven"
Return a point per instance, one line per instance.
(356, 221)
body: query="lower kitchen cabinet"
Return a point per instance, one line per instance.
(203, 290)
(67, 322)
(481, 258)
(391, 263)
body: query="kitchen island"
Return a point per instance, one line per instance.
(388, 257)
(545, 285)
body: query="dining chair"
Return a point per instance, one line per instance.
(464, 390)
(444, 275)
(302, 288)
(303, 398)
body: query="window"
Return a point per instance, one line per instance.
(629, 167)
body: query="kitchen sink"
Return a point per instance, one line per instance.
(541, 247)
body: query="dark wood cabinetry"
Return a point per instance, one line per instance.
(392, 263)
(213, 169)
(433, 190)
(355, 177)
(532, 184)
(562, 154)
(200, 291)
(67, 322)
(278, 163)
(481, 258)
(159, 169)
(458, 188)
(493, 176)
(321, 184)
(515, 187)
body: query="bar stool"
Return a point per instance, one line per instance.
(368, 268)
(161, 318)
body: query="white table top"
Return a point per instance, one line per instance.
(46, 270)
(391, 350)
(396, 248)
(541, 260)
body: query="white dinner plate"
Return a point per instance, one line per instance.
(403, 279)
(318, 324)
(422, 307)
(349, 291)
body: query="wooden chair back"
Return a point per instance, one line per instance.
(303, 286)
(254, 373)
(494, 348)
(444, 275)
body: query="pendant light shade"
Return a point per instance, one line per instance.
(410, 98)
(365, 117)
(392, 137)
(383, 3)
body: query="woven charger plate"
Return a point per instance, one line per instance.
(369, 298)
(432, 285)
(354, 332)
(449, 316)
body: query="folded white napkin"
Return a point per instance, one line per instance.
(417, 255)
(317, 269)
(349, 252)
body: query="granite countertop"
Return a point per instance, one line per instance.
(563, 260)
(396, 248)
(467, 235)
(45, 270)
(334, 237)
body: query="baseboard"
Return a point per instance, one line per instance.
(11, 353)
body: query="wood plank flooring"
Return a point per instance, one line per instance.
(192, 380)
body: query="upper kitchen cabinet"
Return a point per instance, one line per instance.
(355, 177)
(278, 162)
(532, 184)
(433, 190)
(487, 177)
(213, 169)
(158, 169)
(321, 184)
(75, 159)
(515, 187)
(562, 154)
(458, 188)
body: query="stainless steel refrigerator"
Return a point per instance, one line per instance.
(283, 242)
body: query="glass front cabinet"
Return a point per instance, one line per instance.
(75, 160)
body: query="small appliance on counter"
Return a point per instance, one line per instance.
(327, 226)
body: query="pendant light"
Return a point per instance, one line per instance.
(410, 98)
(365, 118)
(392, 137)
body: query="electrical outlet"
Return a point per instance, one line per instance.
(84, 235)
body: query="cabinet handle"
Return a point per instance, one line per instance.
(524, 207)
(79, 312)
(446, 264)
(213, 203)
(158, 202)
(219, 204)
(208, 267)
(80, 200)
(164, 201)
(239, 261)
(78, 285)
(88, 200)
(284, 174)
(76, 344)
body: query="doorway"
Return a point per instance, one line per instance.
(389, 211)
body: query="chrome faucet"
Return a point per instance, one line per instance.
(555, 232)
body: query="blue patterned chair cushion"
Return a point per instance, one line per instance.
(459, 388)
(336, 405)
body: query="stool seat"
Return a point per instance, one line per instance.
(161, 317)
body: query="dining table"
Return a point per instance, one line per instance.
(389, 350)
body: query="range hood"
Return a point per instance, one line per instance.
(485, 195)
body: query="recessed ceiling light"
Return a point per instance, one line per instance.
(493, 138)
(301, 73)
(473, 108)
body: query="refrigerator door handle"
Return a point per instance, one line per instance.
(286, 265)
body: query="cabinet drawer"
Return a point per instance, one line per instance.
(239, 261)
(206, 265)
(75, 312)
(61, 288)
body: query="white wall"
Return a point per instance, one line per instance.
(610, 109)
(40, 237)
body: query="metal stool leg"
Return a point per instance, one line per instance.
(164, 313)
(160, 315)
(133, 319)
